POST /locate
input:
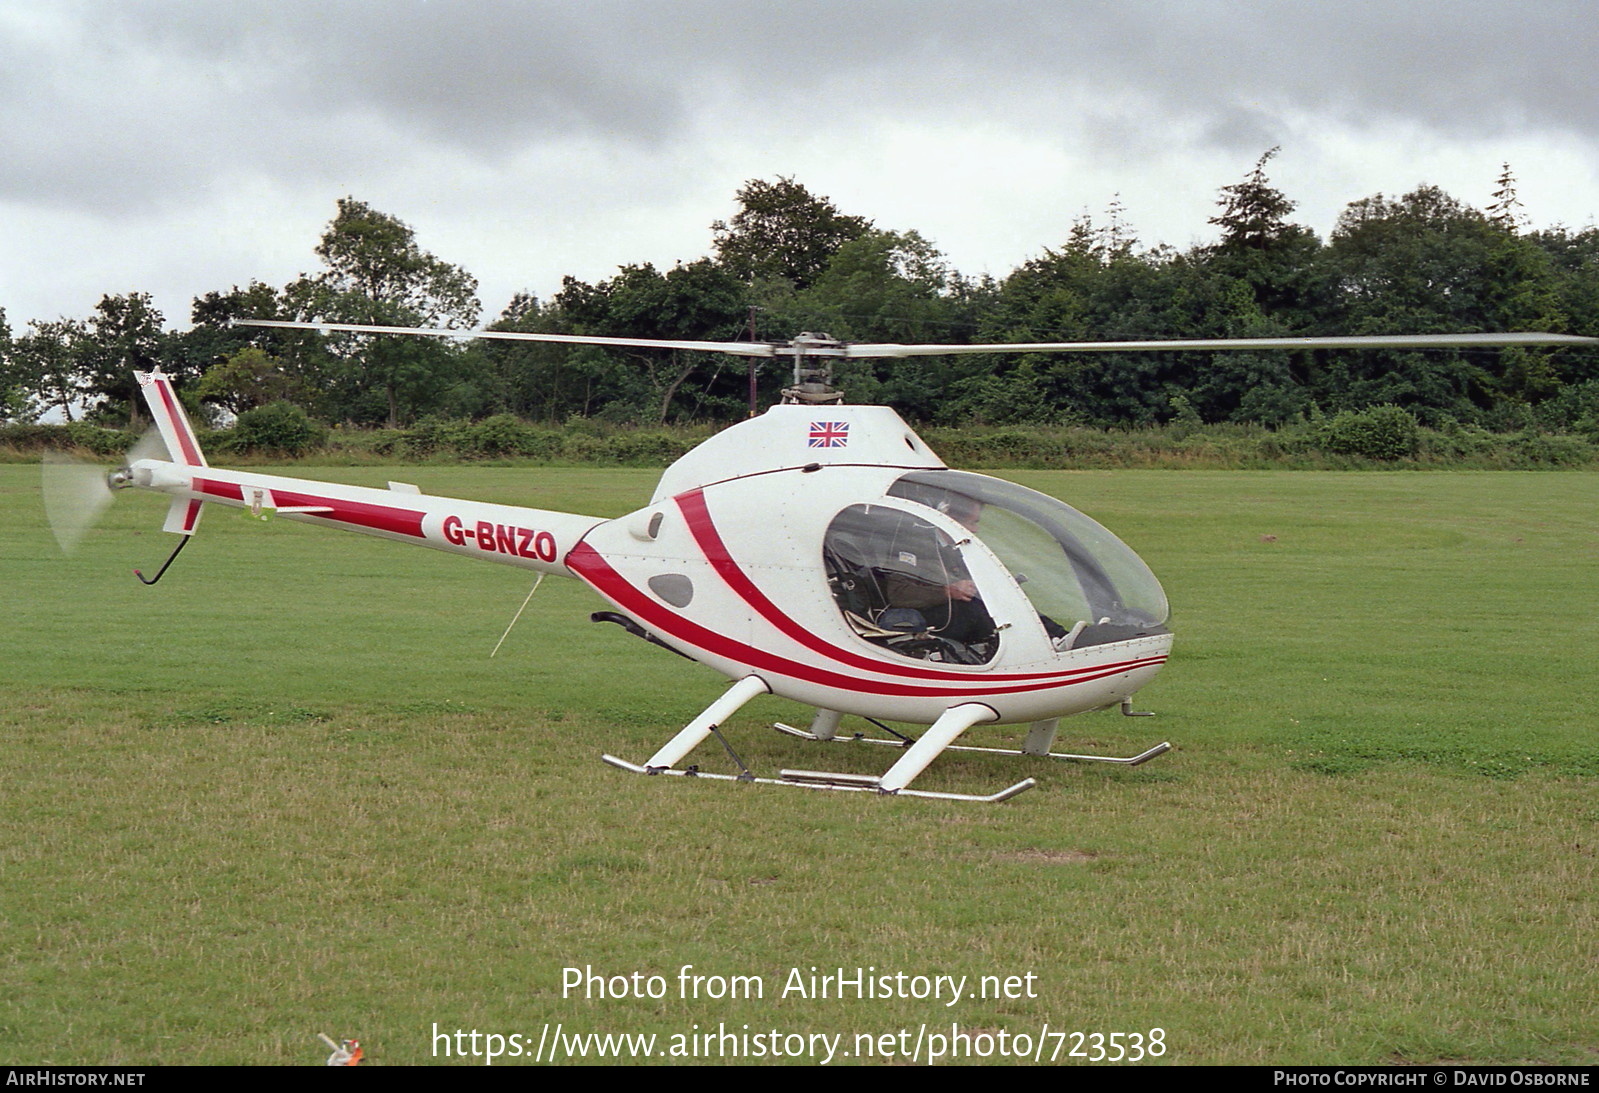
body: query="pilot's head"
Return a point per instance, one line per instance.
(965, 511)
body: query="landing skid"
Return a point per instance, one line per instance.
(894, 782)
(861, 738)
(1040, 738)
(813, 779)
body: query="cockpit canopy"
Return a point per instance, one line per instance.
(902, 582)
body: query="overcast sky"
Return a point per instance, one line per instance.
(183, 147)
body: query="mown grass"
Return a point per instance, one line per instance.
(286, 791)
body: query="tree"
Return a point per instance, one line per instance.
(1094, 286)
(291, 365)
(13, 397)
(1417, 259)
(881, 286)
(1574, 260)
(250, 379)
(698, 301)
(559, 381)
(531, 379)
(45, 366)
(1116, 239)
(1254, 213)
(1427, 263)
(214, 337)
(125, 334)
(885, 287)
(1279, 260)
(376, 273)
(1506, 208)
(1264, 277)
(782, 231)
(373, 260)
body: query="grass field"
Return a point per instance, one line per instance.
(287, 791)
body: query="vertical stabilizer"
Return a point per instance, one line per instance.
(170, 418)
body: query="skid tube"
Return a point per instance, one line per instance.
(1037, 744)
(894, 782)
(811, 779)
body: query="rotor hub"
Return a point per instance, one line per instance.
(813, 370)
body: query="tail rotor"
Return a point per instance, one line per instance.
(77, 492)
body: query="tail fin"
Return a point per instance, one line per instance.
(178, 434)
(182, 446)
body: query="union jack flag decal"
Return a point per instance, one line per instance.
(829, 434)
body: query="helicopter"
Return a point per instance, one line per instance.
(820, 552)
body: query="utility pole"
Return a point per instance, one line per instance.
(754, 408)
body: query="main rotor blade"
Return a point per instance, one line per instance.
(740, 349)
(884, 349)
(1372, 341)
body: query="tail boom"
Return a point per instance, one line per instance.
(531, 538)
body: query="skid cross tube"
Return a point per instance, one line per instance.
(900, 742)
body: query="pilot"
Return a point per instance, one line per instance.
(941, 587)
(925, 572)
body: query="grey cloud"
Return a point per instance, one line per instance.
(127, 102)
(581, 114)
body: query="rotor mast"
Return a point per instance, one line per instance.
(813, 382)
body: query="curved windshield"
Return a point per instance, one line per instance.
(1087, 585)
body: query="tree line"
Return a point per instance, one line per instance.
(789, 261)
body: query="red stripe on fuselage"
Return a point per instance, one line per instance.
(710, 541)
(585, 561)
(357, 513)
(228, 491)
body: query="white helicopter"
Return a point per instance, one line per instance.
(820, 552)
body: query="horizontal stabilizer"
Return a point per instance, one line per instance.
(183, 516)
